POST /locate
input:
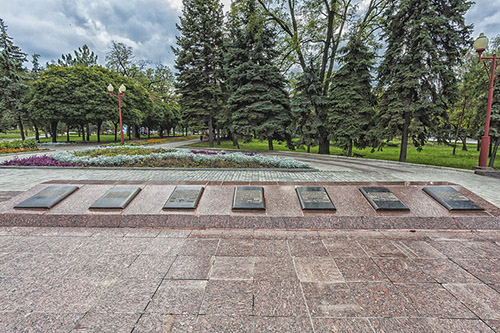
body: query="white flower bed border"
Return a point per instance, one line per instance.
(271, 161)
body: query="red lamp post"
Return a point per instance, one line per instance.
(480, 45)
(120, 97)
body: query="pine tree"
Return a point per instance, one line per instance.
(258, 102)
(352, 100)
(199, 64)
(12, 77)
(425, 41)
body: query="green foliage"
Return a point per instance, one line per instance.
(352, 101)
(425, 42)
(82, 57)
(258, 102)
(199, 64)
(18, 144)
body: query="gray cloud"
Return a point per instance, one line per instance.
(54, 27)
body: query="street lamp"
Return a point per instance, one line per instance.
(121, 91)
(491, 65)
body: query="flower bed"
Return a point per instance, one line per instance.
(127, 156)
(16, 146)
(42, 160)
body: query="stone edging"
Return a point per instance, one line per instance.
(157, 169)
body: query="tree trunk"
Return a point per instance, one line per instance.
(308, 148)
(67, 133)
(161, 132)
(464, 143)
(99, 124)
(88, 132)
(83, 133)
(270, 143)
(137, 133)
(129, 132)
(173, 131)
(490, 148)
(218, 136)
(235, 141)
(149, 133)
(323, 141)
(21, 128)
(349, 149)
(478, 145)
(404, 137)
(116, 132)
(494, 153)
(37, 133)
(459, 126)
(210, 132)
(45, 132)
(53, 130)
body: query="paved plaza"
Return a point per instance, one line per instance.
(228, 280)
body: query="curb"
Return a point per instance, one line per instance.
(156, 169)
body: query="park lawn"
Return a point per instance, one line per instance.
(105, 138)
(431, 154)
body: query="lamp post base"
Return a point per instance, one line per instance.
(483, 154)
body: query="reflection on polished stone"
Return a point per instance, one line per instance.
(248, 197)
(184, 197)
(451, 198)
(116, 198)
(314, 198)
(48, 197)
(381, 198)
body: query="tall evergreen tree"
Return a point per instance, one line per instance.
(199, 64)
(82, 57)
(425, 41)
(258, 102)
(12, 77)
(352, 100)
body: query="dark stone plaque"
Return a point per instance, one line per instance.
(248, 197)
(116, 198)
(48, 197)
(451, 198)
(184, 197)
(381, 198)
(314, 198)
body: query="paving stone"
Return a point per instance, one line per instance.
(236, 247)
(163, 246)
(178, 297)
(432, 300)
(344, 249)
(489, 250)
(328, 325)
(199, 247)
(381, 299)
(238, 234)
(106, 322)
(142, 232)
(301, 234)
(206, 233)
(216, 324)
(331, 300)
(307, 248)
(282, 324)
(278, 299)
(402, 270)
(400, 325)
(105, 266)
(127, 296)
(494, 324)
(231, 298)
(487, 271)
(317, 270)
(380, 248)
(9, 320)
(359, 269)
(232, 268)
(174, 233)
(479, 298)
(458, 325)
(274, 268)
(445, 271)
(147, 266)
(270, 248)
(47, 322)
(190, 268)
(160, 323)
(104, 245)
(456, 249)
(270, 234)
(418, 249)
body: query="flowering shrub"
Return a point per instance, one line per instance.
(18, 144)
(37, 160)
(15, 150)
(108, 156)
(155, 141)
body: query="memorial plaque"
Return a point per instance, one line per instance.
(381, 198)
(248, 197)
(116, 198)
(48, 197)
(451, 198)
(184, 197)
(314, 198)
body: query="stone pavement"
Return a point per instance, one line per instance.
(167, 280)
(225, 280)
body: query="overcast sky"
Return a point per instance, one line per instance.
(53, 27)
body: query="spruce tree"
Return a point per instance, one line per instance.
(425, 41)
(352, 101)
(12, 77)
(258, 102)
(199, 64)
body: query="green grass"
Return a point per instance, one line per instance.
(104, 138)
(432, 154)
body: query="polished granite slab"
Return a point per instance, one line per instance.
(116, 198)
(184, 197)
(451, 199)
(381, 198)
(314, 198)
(48, 197)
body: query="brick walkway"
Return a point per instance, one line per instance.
(147, 280)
